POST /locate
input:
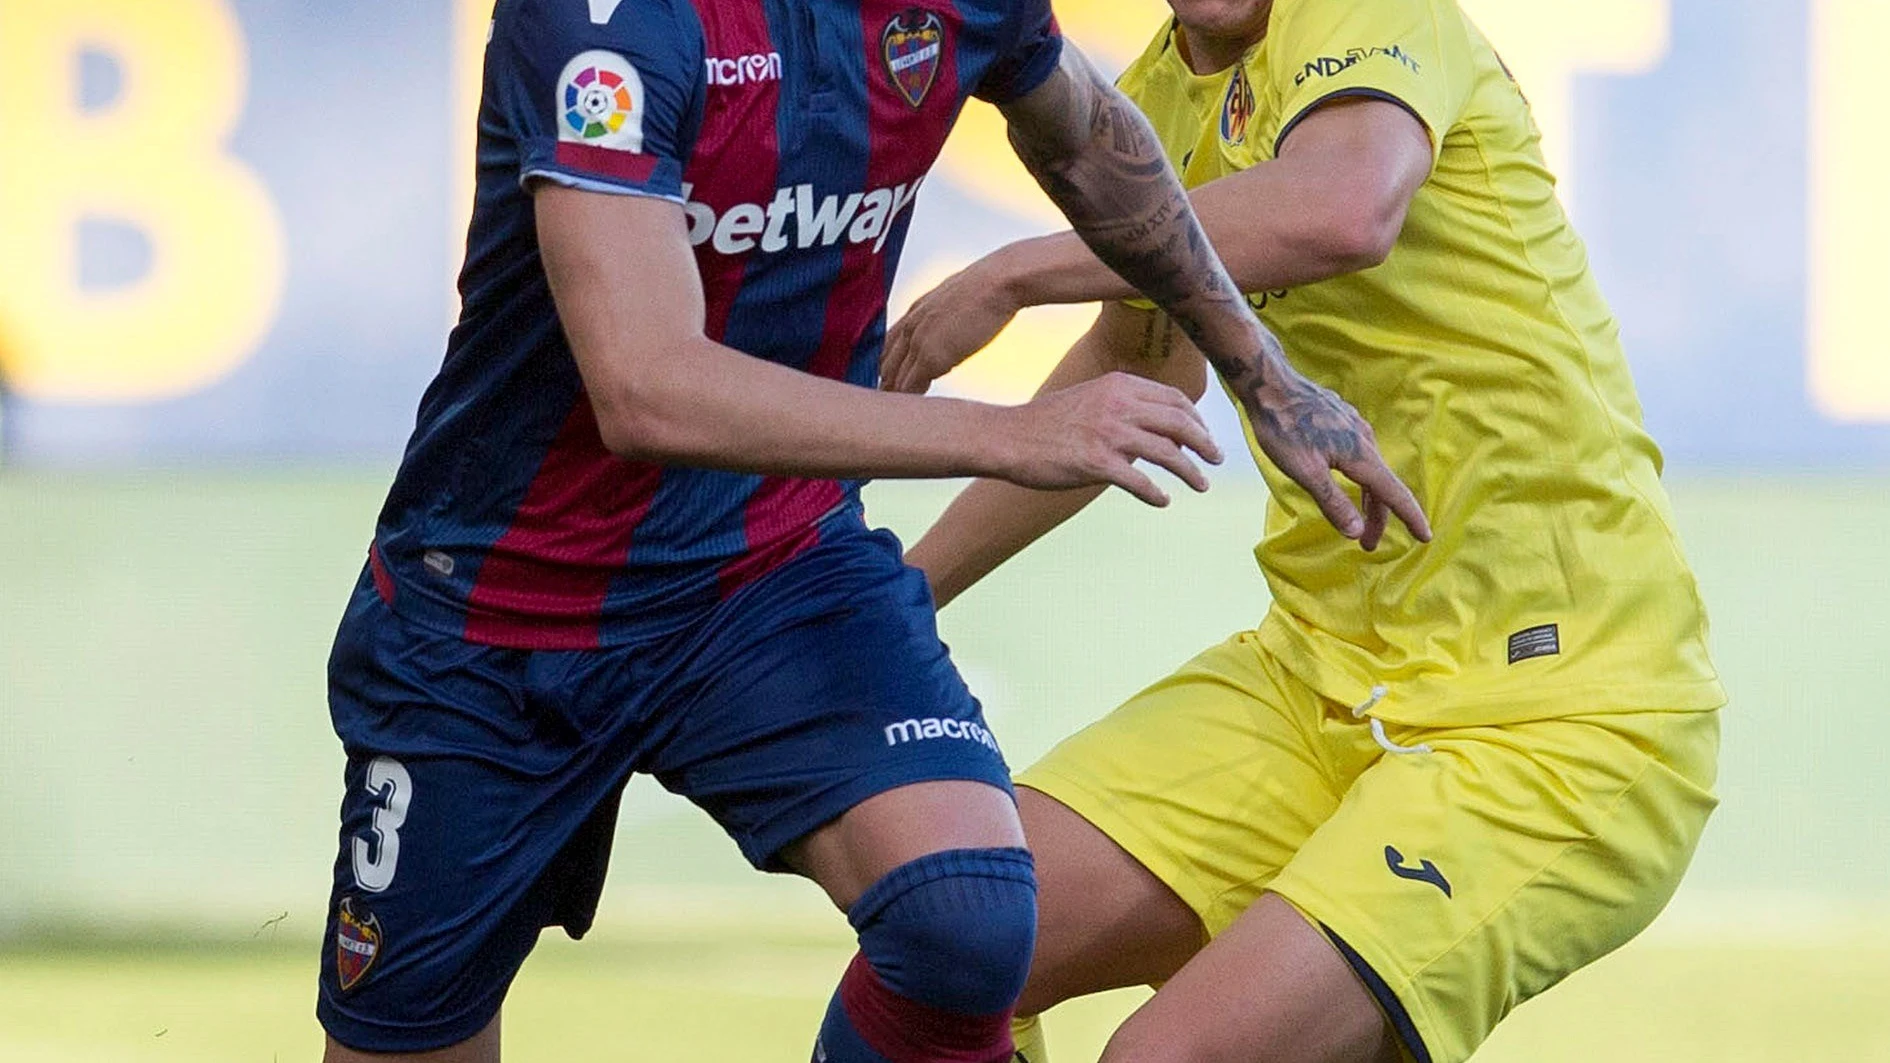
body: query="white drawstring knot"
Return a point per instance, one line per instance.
(1378, 695)
(1378, 727)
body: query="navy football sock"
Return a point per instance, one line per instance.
(945, 944)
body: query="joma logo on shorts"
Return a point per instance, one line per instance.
(1424, 872)
(934, 727)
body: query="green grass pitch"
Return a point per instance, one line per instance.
(168, 782)
(716, 997)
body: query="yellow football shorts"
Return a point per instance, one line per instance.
(1458, 882)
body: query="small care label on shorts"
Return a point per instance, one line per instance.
(1544, 641)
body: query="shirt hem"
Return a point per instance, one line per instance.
(427, 608)
(1524, 703)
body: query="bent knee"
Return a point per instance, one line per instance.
(953, 930)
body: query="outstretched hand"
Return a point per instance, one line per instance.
(947, 325)
(1094, 433)
(1309, 433)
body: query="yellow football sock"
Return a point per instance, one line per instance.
(1028, 1033)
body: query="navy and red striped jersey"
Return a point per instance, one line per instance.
(795, 133)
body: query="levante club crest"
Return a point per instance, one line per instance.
(912, 44)
(357, 943)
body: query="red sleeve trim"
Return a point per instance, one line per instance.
(620, 165)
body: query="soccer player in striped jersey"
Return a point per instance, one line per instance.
(627, 533)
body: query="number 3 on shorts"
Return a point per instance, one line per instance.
(374, 861)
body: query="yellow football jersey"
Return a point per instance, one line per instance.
(1483, 354)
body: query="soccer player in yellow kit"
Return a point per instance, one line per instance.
(1437, 778)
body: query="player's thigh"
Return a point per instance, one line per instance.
(825, 727)
(1207, 783)
(1460, 882)
(899, 826)
(1104, 920)
(470, 820)
(1270, 987)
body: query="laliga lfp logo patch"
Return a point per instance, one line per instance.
(1237, 109)
(600, 97)
(357, 943)
(912, 44)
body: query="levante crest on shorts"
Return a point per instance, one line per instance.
(912, 44)
(1237, 109)
(357, 943)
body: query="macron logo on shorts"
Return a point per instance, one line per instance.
(934, 727)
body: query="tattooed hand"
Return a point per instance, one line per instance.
(1100, 161)
(1308, 432)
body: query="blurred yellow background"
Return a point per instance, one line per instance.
(228, 230)
(160, 158)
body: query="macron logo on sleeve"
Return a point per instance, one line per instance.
(918, 730)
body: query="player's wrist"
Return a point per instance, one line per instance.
(1006, 279)
(995, 439)
(1271, 379)
(1054, 269)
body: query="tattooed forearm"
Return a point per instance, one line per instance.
(1163, 217)
(1102, 164)
(1098, 158)
(1129, 138)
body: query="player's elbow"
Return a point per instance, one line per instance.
(625, 433)
(634, 423)
(1364, 215)
(641, 401)
(624, 440)
(1360, 234)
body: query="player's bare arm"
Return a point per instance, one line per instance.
(631, 301)
(991, 521)
(1333, 203)
(1099, 160)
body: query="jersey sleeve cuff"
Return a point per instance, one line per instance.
(1362, 92)
(595, 169)
(592, 184)
(1025, 78)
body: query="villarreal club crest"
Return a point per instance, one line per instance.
(912, 44)
(1237, 109)
(357, 943)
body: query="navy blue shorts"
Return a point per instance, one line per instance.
(483, 783)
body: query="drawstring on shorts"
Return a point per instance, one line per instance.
(1378, 727)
